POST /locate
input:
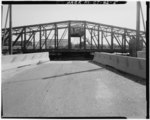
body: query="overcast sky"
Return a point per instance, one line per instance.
(118, 15)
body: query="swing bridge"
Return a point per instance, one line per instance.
(70, 36)
(110, 84)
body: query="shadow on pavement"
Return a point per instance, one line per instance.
(61, 75)
(134, 78)
(65, 74)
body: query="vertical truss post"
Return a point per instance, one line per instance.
(122, 44)
(10, 30)
(138, 26)
(25, 38)
(91, 38)
(22, 41)
(40, 39)
(84, 35)
(112, 41)
(124, 41)
(69, 38)
(80, 42)
(98, 37)
(46, 39)
(55, 35)
(102, 40)
(34, 41)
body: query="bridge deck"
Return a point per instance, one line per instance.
(71, 88)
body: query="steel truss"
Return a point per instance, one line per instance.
(57, 36)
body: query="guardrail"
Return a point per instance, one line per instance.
(131, 65)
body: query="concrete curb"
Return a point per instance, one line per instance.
(14, 61)
(131, 65)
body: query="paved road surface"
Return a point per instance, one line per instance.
(72, 89)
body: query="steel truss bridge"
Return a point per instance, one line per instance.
(58, 37)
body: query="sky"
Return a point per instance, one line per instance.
(118, 15)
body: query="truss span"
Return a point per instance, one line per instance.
(70, 36)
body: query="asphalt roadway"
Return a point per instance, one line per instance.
(71, 89)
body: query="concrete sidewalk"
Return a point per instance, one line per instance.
(71, 89)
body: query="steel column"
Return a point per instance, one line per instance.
(24, 38)
(112, 41)
(10, 30)
(40, 38)
(34, 41)
(21, 41)
(69, 38)
(57, 37)
(84, 35)
(45, 39)
(98, 37)
(80, 42)
(124, 41)
(138, 26)
(91, 39)
(102, 40)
